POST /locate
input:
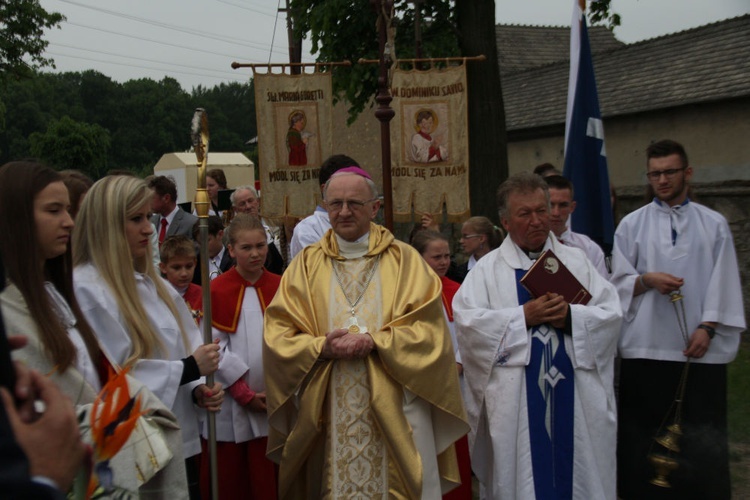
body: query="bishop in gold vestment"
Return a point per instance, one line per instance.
(376, 422)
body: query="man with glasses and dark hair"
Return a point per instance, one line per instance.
(362, 390)
(675, 268)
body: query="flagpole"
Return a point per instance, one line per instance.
(585, 149)
(575, 54)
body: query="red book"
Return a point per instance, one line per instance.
(549, 274)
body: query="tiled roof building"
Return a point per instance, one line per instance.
(700, 65)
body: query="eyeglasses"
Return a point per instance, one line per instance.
(338, 205)
(469, 236)
(654, 175)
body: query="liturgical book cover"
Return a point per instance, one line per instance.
(549, 274)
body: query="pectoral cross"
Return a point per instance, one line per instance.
(354, 325)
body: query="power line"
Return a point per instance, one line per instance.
(156, 41)
(138, 58)
(245, 8)
(181, 29)
(275, 23)
(161, 70)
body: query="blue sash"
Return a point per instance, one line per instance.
(549, 391)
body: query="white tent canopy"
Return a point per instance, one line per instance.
(183, 168)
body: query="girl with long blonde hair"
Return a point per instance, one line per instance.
(140, 320)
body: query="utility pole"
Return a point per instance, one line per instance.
(295, 44)
(417, 30)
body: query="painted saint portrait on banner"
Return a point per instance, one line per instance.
(297, 138)
(430, 150)
(428, 144)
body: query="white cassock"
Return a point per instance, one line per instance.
(593, 251)
(241, 358)
(309, 231)
(420, 150)
(703, 255)
(495, 349)
(161, 375)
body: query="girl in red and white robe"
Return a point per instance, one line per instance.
(434, 248)
(239, 298)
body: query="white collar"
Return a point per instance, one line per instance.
(217, 258)
(517, 258)
(354, 249)
(170, 217)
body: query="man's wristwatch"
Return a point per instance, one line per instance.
(710, 330)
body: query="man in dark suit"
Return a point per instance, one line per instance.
(168, 218)
(39, 455)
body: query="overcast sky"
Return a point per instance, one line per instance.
(195, 41)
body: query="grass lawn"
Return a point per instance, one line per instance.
(739, 420)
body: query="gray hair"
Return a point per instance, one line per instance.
(370, 183)
(523, 182)
(233, 196)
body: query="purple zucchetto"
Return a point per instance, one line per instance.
(353, 170)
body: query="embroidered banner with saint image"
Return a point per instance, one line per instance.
(430, 145)
(294, 137)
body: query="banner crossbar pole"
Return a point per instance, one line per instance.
(431, 60)
(268, 66)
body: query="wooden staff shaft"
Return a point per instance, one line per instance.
(202, 202)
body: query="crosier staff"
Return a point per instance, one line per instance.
(199, 135)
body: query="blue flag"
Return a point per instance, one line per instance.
(585, 154)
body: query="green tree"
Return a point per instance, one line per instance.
(29, 104)
(347, 30)
(153, 118)
(22, 24)
(231, 114)
(71, 144)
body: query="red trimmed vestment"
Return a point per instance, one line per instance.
(244, 472)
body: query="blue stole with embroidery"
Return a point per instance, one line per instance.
(549, 392)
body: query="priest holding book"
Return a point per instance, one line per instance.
(538, 369)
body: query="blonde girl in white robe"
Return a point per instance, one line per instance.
(140, 320)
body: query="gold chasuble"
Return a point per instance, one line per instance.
(346, 428)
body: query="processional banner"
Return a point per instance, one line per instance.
(294, 116)
(430, 143)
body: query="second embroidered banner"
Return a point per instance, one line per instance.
(429, 141)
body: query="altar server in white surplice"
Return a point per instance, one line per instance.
(562, 205)
(673, 245)
(538, 371)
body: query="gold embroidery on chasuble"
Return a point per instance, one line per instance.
(356, 465)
